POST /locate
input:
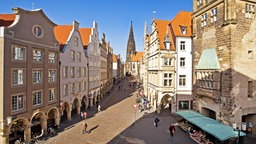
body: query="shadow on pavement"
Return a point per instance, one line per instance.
(93, 128)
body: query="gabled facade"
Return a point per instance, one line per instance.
(94, 64)
(109, 67)
(73, 70)
(135, 63)
(181, 30)
(29, 75)
(168, 60)
(116, 68)
(224, 61)
(103, 66)
(161, 76)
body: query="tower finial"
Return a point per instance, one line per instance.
(154, 13)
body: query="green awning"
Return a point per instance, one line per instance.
(208, 59)
(211, 126)
(188, 114)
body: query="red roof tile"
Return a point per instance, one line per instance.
(114, 58)
(7, 19)
(182, 19)
(162, 28)
(62, 33)
(85, 34)
(137, 56)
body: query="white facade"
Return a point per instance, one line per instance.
(184, 72)
(73, 72)
(94, 65)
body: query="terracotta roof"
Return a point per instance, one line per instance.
(137, 56)
(162, 28)
(62, 33)
(7, 19)
(114, 58)
(182, 19)
(85, 34)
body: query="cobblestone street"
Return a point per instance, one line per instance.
(115, 124)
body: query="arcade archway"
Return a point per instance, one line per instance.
(75, 107)
(83, 104)
(37, 124)
(18, 130)
(65, 111)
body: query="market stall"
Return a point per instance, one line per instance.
(201, 128)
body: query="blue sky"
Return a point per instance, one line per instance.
(113, 16)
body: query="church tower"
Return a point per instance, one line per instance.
(131, 49)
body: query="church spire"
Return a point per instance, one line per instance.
(131, 49)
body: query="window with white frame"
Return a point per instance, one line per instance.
(167, 79)
(52, 75)
(183, 30)
(17, 102)
(182, 80)
(182, 45)
(72, 72)
(65, 89)
(79, 87)
(72, 55)
(199, 2)
(79, 56)
(167, 61)
(204, 19)
(37, 98)
(65, 72)
(182, 61)
(37, 76)
(72, 88)
(78, 71)
(18, 76)
(214, 13)
(249, 10)
(52, 57)
(37, 55)
(18, 53)
(52, 94)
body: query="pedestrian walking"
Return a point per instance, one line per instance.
(156, 121)
(85, 115)
(99, 108)
(85, 128)
(171, 129)
(81, 115)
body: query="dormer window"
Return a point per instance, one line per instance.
(183, 30)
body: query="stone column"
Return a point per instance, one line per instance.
(27, 133)
(69, 114)
(57, 120)
(44, 123)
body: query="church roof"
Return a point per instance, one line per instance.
(137, 56)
